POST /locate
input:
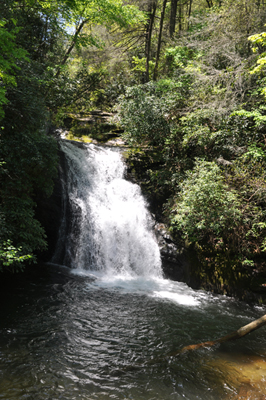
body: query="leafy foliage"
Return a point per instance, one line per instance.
(201, 125)
(207, 154)
(143, 115)
(42, 75)
(11, 257)
(9, 55)
(205, 205)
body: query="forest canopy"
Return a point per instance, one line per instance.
(187, 81)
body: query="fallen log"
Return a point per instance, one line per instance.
(243, 331)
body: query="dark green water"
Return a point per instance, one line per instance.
(65, 336)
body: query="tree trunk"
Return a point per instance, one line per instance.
(180, 17)
(173, 17)
(152, 12)
(73, 42)
(243, 331)
(209, 2)
(155, 73)
(189, 12)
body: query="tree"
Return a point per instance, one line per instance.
(172, 23)
(155, 74)
(258, 46)
(10, 54)
(142, 115)
(149, 27)
(28, 156)
(35, 81)
(92, 13)
(206, 207)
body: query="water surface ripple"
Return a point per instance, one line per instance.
(65, 336)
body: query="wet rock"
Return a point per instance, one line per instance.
(49, 213)
(173, 260)
(98, 125)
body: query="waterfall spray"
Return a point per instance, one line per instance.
(110, 228)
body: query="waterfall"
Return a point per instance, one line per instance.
(106, 225)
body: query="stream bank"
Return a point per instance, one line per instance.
(179, 261)
(184, 261)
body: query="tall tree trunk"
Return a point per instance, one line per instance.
(189, 12)
(173, 17)
(72, 44)
(152, 12)
(155, 73)
(209, 2)
(180, 17)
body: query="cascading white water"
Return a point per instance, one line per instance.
(111, 228)
(106, 336)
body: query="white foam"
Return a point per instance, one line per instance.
(186, 300)
(157, 288)
(114, 232)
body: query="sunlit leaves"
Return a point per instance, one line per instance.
(142, 115)
(205, 204)
(12, 257)
(103, 12)
(258, 44)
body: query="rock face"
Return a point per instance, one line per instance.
(55, 216)
(50, 213)
(174, 262)
(97, 125)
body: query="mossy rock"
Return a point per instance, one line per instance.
(95, 126)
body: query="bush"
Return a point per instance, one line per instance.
(142, 116)
(205, 205)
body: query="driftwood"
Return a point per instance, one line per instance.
(243, 331)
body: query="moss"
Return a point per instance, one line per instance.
(83, 138)
(95, 126)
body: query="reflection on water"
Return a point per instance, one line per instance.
(65, 336)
